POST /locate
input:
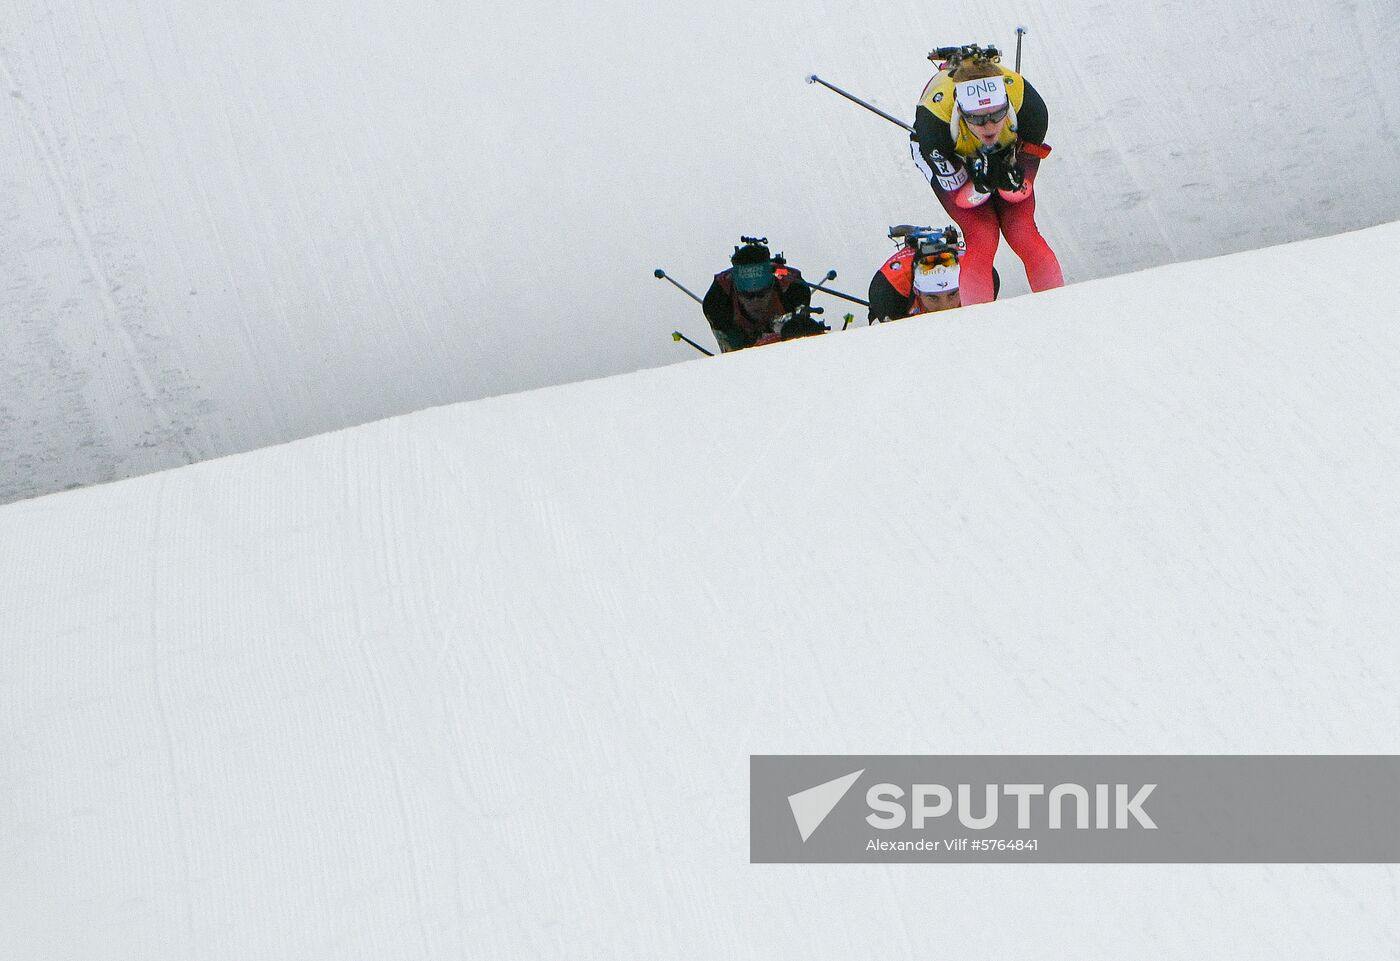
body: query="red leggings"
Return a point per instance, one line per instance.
(982, 228)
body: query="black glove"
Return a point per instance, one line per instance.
(803, 326)
(1008, 174)
(979, 171)
(800, 323)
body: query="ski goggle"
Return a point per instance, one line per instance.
(983, 119)
(752, 279)
(937, 258)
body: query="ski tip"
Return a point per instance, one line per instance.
(660, 274)
(811, 78)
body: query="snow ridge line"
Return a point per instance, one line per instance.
(82, 238)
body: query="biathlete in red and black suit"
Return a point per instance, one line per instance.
(923, 277)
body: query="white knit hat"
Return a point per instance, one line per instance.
(986, 93)
(935, 279)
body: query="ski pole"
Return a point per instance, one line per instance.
(813, 78)
(1020, 32)
(831, 275)
(677, 336)
(661, 275)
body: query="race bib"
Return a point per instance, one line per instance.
(938, 168)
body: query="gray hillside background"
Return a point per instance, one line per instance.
(233, 224)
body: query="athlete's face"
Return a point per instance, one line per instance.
(932, 303)
(753, 301)
(987, 125)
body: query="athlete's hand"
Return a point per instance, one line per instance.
(979, 171)
(1011, 177)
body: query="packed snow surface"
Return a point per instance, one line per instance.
(234, 223)
(483, 681)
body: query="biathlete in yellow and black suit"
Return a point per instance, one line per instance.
(979, 135)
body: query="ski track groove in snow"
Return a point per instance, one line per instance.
(43, 140)
(175, 789)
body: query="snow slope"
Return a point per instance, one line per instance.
(483, 681)
(238, 222)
